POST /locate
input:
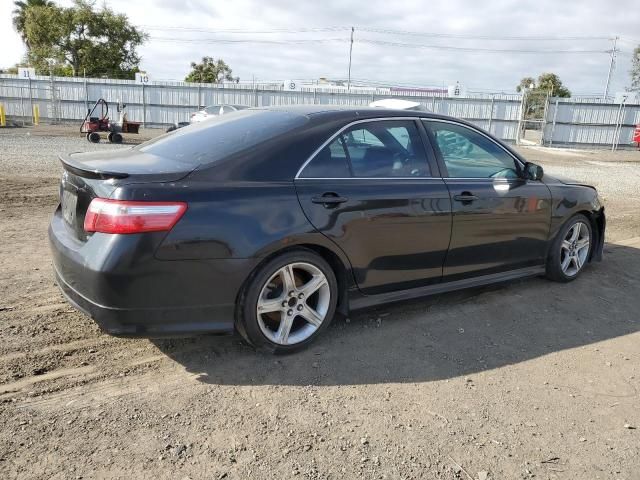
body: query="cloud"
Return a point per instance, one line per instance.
(168, 53)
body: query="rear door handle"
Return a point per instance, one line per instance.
(465, 197)
(329, 199)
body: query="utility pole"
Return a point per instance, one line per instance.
(612, 65)
(350, 52)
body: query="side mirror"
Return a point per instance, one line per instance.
(533, 171)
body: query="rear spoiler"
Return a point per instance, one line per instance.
(81, 169)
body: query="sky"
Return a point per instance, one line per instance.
(444, 42)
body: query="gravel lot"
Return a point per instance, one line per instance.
(529, 380)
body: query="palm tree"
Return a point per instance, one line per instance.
(20, 14)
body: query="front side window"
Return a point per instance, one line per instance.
(468, 154)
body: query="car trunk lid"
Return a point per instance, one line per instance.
(130, 164)
(98, 174)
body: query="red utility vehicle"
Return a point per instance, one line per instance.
(97, 120)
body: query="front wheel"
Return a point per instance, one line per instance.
(288, 302)
(570, 250)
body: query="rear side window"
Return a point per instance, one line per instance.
(382, 149)
(386, 149)
(211, 141)
(330, 162)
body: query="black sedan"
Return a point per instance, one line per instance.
(269, 221)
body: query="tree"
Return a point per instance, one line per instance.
(635, 71)
(525, 83)
(81, 40)
(547, 83)
(551, 83)
(537, 92)
(20, 14)
(210, 71)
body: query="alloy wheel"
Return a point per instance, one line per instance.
(574, 249)
(293, 303)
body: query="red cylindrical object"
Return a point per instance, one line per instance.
(636, 134)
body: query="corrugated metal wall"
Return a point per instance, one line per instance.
(159, 104)
(589, 123)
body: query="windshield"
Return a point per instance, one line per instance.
(207, 142)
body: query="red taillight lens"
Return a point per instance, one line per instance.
(119, 216)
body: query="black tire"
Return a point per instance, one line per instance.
(93, 137)
(247, 322)
(116, 138)
(110, 137)
(554, 269)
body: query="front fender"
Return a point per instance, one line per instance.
(569, 200)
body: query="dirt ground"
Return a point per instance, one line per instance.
(529, 380)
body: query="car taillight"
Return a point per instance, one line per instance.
(120, 216)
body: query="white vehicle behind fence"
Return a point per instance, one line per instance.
(398, 104)
(214, 111)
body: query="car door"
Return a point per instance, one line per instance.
(500, 220)
(373, 191)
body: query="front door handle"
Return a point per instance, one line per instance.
(329, 199)
(465, 197)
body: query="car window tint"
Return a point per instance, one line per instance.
(222, 136)
(468, 154)
(402, 136)
(330, 162)
(362, 137)
(386, 149)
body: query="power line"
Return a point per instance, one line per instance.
(379, 31)
(245, 31)
(485, 37)
(372, 42)
(477, 49)
(254, 40)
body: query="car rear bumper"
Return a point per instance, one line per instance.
(151, 322)
(116, 280)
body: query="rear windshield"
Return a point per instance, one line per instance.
(216, 138)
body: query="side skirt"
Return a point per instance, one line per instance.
(358, 301)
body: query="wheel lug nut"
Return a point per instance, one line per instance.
(292, 293)
(299, 308)
(284, 304)
(301, 296)
(290, 312)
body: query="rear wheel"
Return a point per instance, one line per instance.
(93, 137)
(570, 250)
(289, 302)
